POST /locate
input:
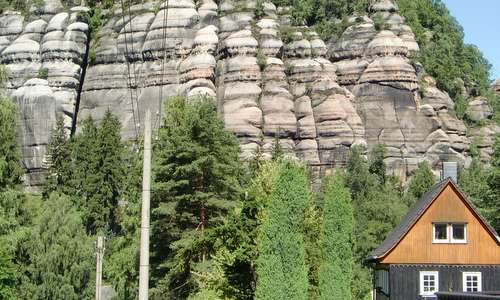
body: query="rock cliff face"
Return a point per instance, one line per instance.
(43, 55)
(270, 80)
(400, 106)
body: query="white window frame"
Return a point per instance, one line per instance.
(444, 241)
(479, 281)
(421, 283)
(449, 234)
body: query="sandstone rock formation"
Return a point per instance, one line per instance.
(414, 121)
(271, 81)
(43, 56)
(264, 87)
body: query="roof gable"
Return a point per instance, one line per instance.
(418, 210)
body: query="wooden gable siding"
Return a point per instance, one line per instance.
(417, 247)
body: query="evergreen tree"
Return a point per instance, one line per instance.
(10, 169)
(420, 182)
(281, 265)
(377, 209)
(57, 260)
(84, 165)
(196, 172)
(7, 276)
(491, 207)
(237, 236)
(105, 185)
(335, 272)
(123, 248)
(377, 164)
(59, 159)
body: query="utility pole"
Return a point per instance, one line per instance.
(146, 193)
(99, 253)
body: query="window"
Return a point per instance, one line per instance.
(458, 233)
(472, 282)
(429, 283)
(449, 233)
(440, 233)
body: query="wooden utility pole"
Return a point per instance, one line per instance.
(146, 194)
(99, 253)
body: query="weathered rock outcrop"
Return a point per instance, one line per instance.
(44, 56)
(264, 87)
(414, 122)
(271, 81)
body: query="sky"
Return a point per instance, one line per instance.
(481, 22)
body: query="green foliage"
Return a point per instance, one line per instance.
(43, 73)
(259, 9)
(335, 272)
(104, 193)
(377, 164)
(122, 264)
(481, 184)
(237, 236)
(196, 172)
(281, 264)
(378, 207)
(379, 22)
(57, 260)
(261, 61)
(10, 169)
(420, 182)
(444, 55)
(58, 159)
(329, 17)
(7, 276)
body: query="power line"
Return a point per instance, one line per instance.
(164, 58)
(129, 83)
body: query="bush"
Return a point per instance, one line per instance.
(43, 73)
(261, 61)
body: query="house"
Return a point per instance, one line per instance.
(442, 244)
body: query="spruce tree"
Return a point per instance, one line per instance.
(58, 159)
(420, 182)
(98, 172)
(281, 264)
(10, 157)
(106, 184)
(58, 257)
(196, 169)
(335, 271)
(84, 164)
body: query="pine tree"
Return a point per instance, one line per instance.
(420, 182)
(196, 172)
(57, 260)
(281, 265)
(335, 272)
(10, 157)
(59, 159)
